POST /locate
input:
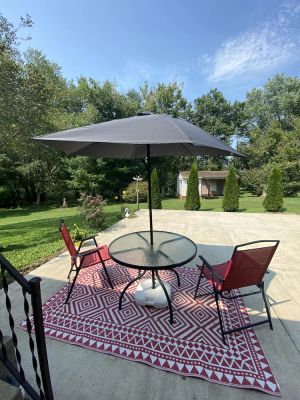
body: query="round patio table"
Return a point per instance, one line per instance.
(169, 251)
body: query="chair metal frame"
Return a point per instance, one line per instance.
(219, 293)
(81, 256)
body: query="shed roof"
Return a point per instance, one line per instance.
(207, 174)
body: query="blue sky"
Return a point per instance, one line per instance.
(233, 45)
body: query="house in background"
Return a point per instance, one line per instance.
(211, 183)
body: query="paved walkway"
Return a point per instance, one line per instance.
(82, 374)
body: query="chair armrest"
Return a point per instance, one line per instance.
(88, 252)
(88, 238)
(211, 269)
(85, 239)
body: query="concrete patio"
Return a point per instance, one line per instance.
(78, 373)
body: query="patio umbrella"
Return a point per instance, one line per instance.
(141, 136)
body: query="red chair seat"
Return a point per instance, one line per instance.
(84, 259)
(93, 258)
(246, 267)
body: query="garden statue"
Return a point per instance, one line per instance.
(126, 212)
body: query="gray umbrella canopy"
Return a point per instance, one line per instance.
(128, 137)
(138, 137)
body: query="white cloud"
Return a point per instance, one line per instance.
(135, 73)
(265, 46)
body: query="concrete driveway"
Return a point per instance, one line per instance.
(78, 373)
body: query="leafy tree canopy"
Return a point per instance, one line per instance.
(278, 100)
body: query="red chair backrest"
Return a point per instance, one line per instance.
(247, 267)
(67, 239)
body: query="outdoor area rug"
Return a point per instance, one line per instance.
(192, 346)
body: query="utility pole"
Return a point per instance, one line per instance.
(137, 179)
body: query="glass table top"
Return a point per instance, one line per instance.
(169, 250)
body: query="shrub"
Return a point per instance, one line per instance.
(78, 233)
(92, 210)
(192, 201)
(231, 192)
(291, 189)
(155, 193)
(291, 178)
(274, 198)
(252, 179)
(130, 192)
(259, 191)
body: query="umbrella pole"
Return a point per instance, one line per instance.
(149, 192)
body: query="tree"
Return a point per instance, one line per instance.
(274, 198)
(288, 159)
(192, 201)
(84, 175)
(263, 149)
(253, 180)
(130, 194)
(218, 116)
(155, 192)
(11, 76)
(231, 192)
(278, 100)
(9, 38)
(166, 99)
(108, 102)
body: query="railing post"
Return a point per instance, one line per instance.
(36, 303)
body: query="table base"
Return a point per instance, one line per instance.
(145, 295)
(155, 276)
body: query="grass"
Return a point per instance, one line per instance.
(30, 236)
(248, 203)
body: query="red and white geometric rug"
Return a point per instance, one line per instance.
(192, 346)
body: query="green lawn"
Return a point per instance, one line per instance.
(248, 203)
(30, 235)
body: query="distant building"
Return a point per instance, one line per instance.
(211, 183)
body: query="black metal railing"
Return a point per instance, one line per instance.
(39, 362)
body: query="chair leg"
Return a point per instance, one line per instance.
(262, 287)
(69, 274)
(107, 274)
(71, 270)
(198, 284)
(220, 317)
(73, 283)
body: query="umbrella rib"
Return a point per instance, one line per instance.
(133, 151)
(187, 149)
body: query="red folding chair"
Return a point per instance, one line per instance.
(246, 267)
(83, 259)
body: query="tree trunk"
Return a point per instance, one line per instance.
(38, 198)
(38, 194)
